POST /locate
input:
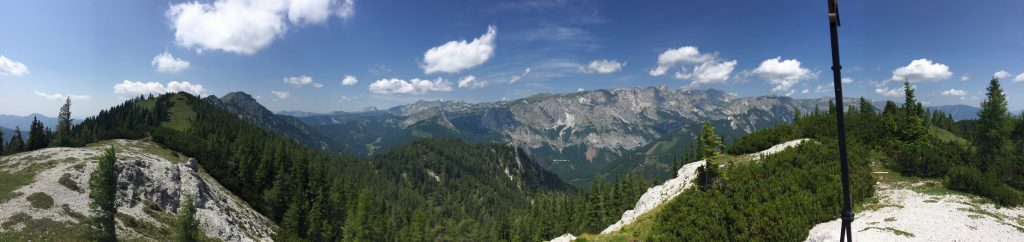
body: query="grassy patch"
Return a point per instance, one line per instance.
(80, 167)
(43, 230)
(890, 219)
(156, 149)
(181, 114)
(891, 230)
(11, 182)
(978, 210)
(144, 228)
(73, 214)
(66, 181)
(40, 200)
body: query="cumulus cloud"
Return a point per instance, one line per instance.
(167, 63)
(349, 80)
(515, 78)
(471, 82)
(1019, 78)
(846, 80)
(299, 81)
(889, 92)
(1001, 74)
(708, 73)
(782, 74)
(415, 86)
(58, 96)
(458, 55)
(280, 94)
(922, 70)
(133, 87)
(954, 92)
(246, 26)
(686, 55)
(9, 67)
(602, 67)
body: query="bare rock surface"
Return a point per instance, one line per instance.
(152, 182)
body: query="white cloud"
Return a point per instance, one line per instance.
(9, 67)
(349, 80)
(708, 73)
(415, 86)
(889, 92)
(515, 78)
(167, 63)
(458, 55)
(346, 9)
(579, 89)
(471, 82)
(1019, 78)
(782, 74)
(805, 91)
(246, 26)
(299, 81)
(280, 94)
(602, 67)
(58, 96)
(954, 92)
(158, 88)
(1001, 74)
(965, 78)
(679, 56)
(922, 70)
(309, 11)
(846, 80)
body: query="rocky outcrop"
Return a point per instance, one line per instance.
(151, 184)
(657, 195)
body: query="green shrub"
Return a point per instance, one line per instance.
(40, 200)
(762, 139)
(926, 157)
(971, 180)
(65, 180)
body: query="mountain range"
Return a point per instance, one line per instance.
(576, 135)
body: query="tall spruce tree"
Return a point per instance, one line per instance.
(17, 144)
(63, 125)
(866, 107)
(37, 138)
(2, 142)
(185, 223)
(993, 130)
(711, 145)
(910, 104)
(103, 191)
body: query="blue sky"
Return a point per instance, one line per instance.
(294, 55)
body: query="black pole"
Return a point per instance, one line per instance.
(845, 232)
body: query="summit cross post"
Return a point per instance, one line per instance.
(845, 233)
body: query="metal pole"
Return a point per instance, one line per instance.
(846, 232)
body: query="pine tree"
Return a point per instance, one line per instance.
(103, 184)
(64, 125)
(866, 107)
(994, 128)
(17, 144)
(2, 142)
(910, 104)
(796, 114)
(708, 174)
(186, 224)
(37, 135)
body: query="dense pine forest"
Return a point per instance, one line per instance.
(446, 189)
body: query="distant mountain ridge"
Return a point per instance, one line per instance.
(576, 135)
(246, 107)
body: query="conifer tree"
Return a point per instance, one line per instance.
(37, 135)
(994, 128)
(103, 191)
(186, 224)
(2, 142)
(866, 107)
(64, 125)
(796, 114)
(17, 144)
(711, 145)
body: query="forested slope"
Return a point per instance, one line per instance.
(431, 189)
